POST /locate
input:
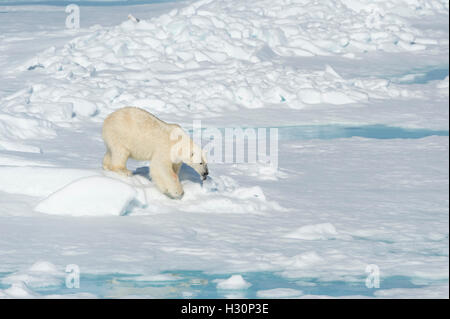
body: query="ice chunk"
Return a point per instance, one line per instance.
(40, 274)
(234, 282)
(18, 290)
(81, 106)
(444, 84)
(44, 266)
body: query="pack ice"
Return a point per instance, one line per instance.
(306, 229)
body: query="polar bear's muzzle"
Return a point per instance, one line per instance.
(205, 173)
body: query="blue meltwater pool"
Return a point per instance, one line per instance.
(334, 131)
(327, 132)
(196, 284)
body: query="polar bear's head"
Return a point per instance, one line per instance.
(186, 151)
(195, 158)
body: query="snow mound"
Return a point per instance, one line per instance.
(40, 274)
(38, 181)
(235, 282)
(23, 126)
(44, 267)
(91, 196)
(16, 291)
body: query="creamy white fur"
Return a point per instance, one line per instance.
(136, 133)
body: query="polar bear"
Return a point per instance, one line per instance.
(136, 133)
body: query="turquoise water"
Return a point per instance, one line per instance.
(334, 131)
(326, 132)
(432, 75)
(196, 284)
(2, 275)
(423, 76)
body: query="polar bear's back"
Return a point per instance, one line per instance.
(136, 131)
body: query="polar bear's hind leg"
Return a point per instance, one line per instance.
(107, 161)
(118, 161)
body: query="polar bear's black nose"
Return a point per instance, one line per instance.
(205, 173)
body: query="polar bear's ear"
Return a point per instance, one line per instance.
(176, 153)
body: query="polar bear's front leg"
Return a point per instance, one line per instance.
(177, 167)
(166, 179)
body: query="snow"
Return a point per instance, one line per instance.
(24, 127)
(17, 291)
(357, 89)
(38, 181)
(314, 232)
(15, 147)
(424, 293)
(279, 293)
(444, 85)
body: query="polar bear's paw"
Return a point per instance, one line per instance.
(123, 172)
(175, 196)
(175, 191)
